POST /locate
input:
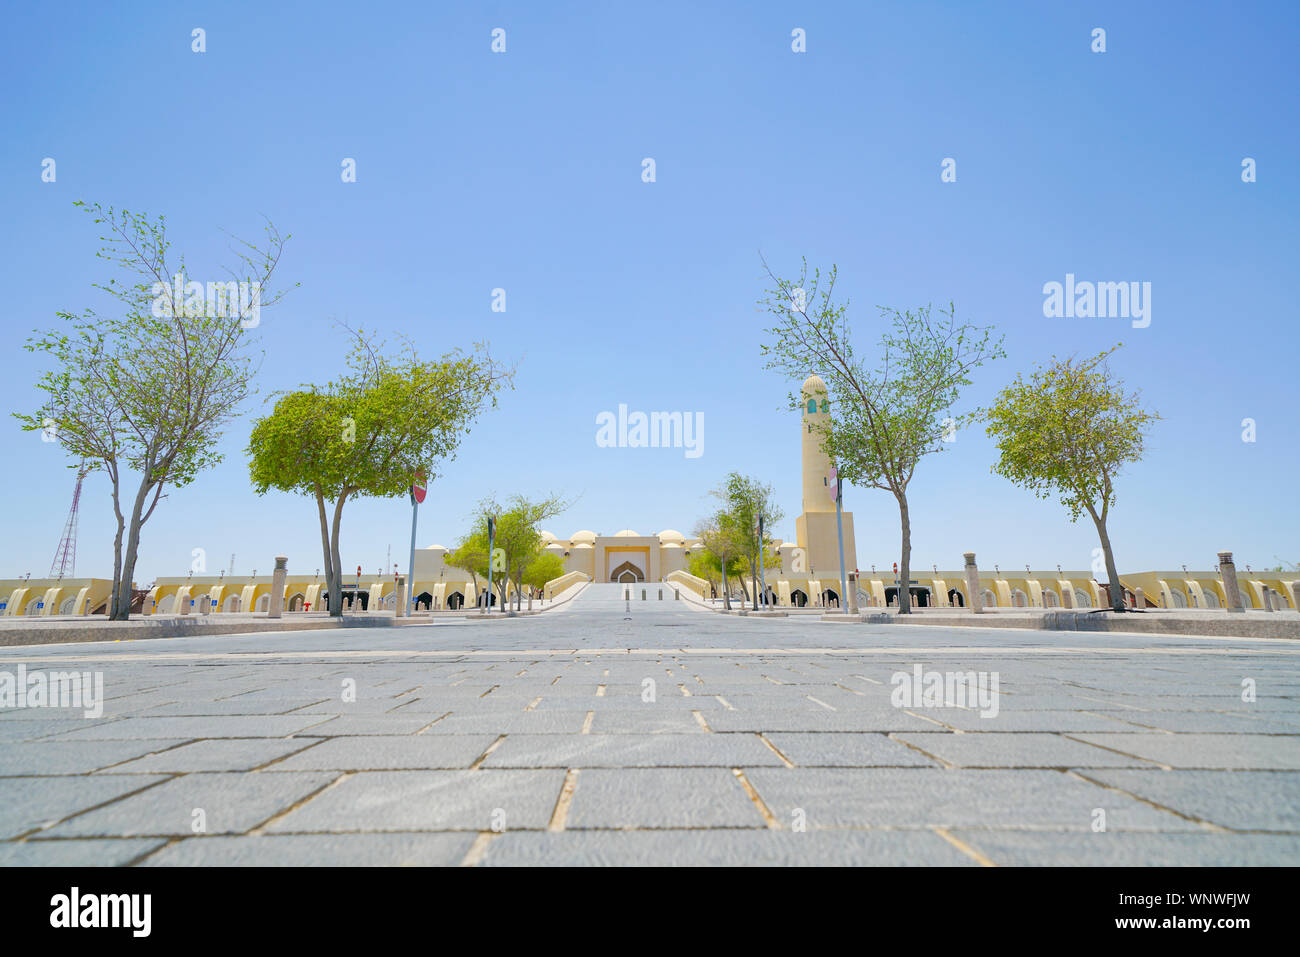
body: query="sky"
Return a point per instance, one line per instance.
(522, 170)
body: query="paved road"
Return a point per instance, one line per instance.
(645, 732)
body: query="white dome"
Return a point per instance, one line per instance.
(546, 536)
(671, 536)
(432, 547)
(627, 533)
(582, 536)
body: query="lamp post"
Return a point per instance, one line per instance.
(492, 534)
(762, 580)
(838, 484)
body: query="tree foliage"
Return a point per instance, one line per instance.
(1067, 430)
(144, 391)
(368, 432)
(884, 418)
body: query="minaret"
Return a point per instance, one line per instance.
(816, 463)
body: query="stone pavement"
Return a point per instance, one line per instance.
(646, 732)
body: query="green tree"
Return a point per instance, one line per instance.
(367, 433)
(518, 539)
(723, 543)
(884, 419)
(144, 392)
(545, 567)
(743, 499)
(470, 555)
(1067, 431)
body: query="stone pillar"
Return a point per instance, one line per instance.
(853, 595)
(1295, 595)
(399, 605)
(275, 607)
(1231, 590)
(1139, 599)
(974, 595)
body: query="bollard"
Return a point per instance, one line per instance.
(1231, 590)
(1295, 595)
(399, 602)
(276, 606)
(643, 594)
(1139, 599)
(853, 596)
(677, 595)
(974, 596)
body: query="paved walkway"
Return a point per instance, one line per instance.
(646, 732)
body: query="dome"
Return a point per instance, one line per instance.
(577, 545)
(545, 536)
(670, 545)
(583, 536)
(813, 385)
(670, 536)
(432, 547)
(627, 533)
(554, 547)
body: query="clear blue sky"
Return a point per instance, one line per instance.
(523, 171)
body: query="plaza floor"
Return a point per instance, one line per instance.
(648, 732)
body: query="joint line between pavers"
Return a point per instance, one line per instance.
(1105, 747)
(560, 815)
(259, 829)
(478, 762)
(964, 847)
(775, 750)
(1208, 825)
(479, 848)
(586, 723)
(920, 750)
(764, 811)
(699, 718)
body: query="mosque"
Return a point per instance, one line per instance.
(808, 574)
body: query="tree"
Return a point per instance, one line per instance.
(148, 389)
(721, 541)
(370, 431)
(517, 542)
(883, 420)
(1067, 431)
(546, 567)
(743, 499)
(471, 555)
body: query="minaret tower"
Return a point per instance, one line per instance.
(816, 463)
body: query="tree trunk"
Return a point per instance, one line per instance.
(132, 550)
(336, 590)
(331, 572)
(117, 558)
(726, 590)
(905, 562)
(1115, 588)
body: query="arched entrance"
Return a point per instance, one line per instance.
(455, 600)
(799, 598)
(956, 598)
(627, 573)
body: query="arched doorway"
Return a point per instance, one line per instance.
(423, 601)
(627, 573)
(956, 598)
(799, 598)
(455, 600)
(296, 602)
(830, 599)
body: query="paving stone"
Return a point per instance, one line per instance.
(317, 850)
(429, 801)
(75, 853)
(363, 724)
(1047, 721)
(27, 803)
(232, 803)
(922, 797)
(221, 754)
(645, 722)
(847, 749)
(814, 719)
(1244, 800)
(1129, 849)
(217, 726)
(631, 751)
(515, 722)
(397, 753)
(733, 848)
(661, 798)
(1025, 750)
(73, 757)
(1232, 751)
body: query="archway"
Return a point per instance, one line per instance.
(627, 573)
(1082, 599)
(830, 598)
(296, 602)
(231, 603)
(799, 598)
(423, 601)
(956, 598)
(455, 600)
